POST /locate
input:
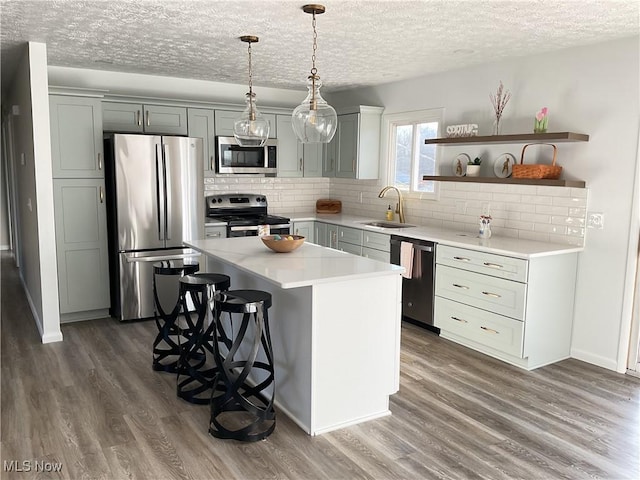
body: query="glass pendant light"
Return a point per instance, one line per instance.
(314, 120)
(251, 129)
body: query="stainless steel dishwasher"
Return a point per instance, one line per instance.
(417, 291)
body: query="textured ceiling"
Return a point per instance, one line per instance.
(359, 43)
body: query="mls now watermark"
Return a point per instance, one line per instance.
(31, 466)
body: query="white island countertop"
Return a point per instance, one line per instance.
(309, 265)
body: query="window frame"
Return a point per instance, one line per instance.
(390, 122)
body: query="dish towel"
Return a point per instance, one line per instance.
(406, 258)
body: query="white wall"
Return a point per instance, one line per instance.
(32, 161)
(592, 90)
(187, 90)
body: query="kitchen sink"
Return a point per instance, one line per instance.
(387, 224)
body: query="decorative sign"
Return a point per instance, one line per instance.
(468, 130)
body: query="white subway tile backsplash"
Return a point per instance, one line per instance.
(520, 211)
(552, 210)
(553, 191)
(570, 201)
(549, 228)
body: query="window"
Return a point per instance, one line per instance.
(409, 157)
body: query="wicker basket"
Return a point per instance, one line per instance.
(537, 171)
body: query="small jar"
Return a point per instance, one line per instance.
(485, 226)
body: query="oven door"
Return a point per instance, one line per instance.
(252, 230)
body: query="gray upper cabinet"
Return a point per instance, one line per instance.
(312, 159)
(81, 244)
(76, 137)
(226, 118)
(139, 118)
(358, 144)
(296, 159)
(330, 157)
(201, 125)
(289, 155)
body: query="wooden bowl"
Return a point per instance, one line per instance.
(283, 245)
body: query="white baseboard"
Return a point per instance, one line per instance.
(49, 337)
(604, 362)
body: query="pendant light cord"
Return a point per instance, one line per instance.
(252, 114)
(250, 71)
(314, 70)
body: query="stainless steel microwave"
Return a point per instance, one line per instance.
(233, 158)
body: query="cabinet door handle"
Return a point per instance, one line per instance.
(148, 117)
(461, 286)
(492, 265)
(331, 168)
(462, 259)
(353, 165)
(489, 294)
(459, 319)
(211, 163)
(213, 235)
(139, 121)
(489, 330)
(300, 168)
(101, 195)
(99, 161)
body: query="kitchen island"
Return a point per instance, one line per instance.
(335, 327)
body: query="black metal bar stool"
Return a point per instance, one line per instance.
(196, 365)
(242, 407)
(166, 348)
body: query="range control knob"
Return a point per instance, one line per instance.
(219, 200)
(213, 200)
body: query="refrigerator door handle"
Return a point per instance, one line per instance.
(132, 258)
(159, 196)
(167, 192)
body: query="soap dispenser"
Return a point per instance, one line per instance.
(389, 213)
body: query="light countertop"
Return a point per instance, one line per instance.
(308, 265)
(513, 247)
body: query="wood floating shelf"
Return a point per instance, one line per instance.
(517, 138)
(510, 180)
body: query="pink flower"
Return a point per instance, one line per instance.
(539, 116)
(544, 111)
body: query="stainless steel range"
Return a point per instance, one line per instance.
(244, 214)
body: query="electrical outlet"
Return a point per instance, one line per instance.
(595, 220)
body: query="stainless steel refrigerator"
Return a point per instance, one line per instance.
(155, 198)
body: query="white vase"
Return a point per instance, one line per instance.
(473, 170)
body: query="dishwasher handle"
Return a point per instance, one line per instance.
(416, 246)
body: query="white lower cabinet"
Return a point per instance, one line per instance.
(519, 311)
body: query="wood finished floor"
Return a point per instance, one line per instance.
(93, 403)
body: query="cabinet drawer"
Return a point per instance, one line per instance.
(350, 248)
(350, 235)
(489, 293)
(487, 263)
(376, 254)
(489, 329)
(379, 241)
(215, 232)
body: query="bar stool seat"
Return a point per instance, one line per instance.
(196, 365)
(242, 406)
(166, 348)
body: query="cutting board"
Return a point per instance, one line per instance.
(325, 205)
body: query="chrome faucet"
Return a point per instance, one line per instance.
(399, 207)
